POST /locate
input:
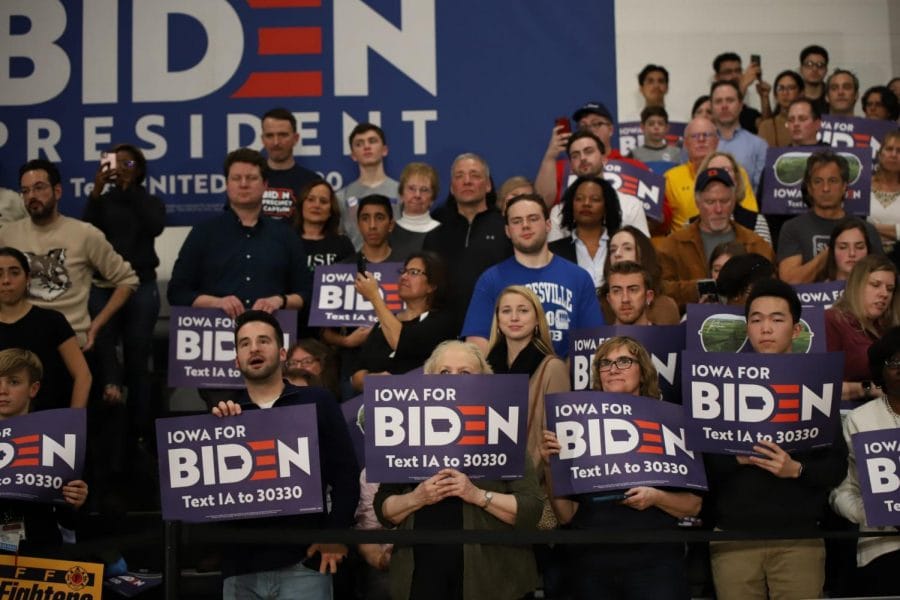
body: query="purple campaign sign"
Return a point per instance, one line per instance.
(336, 303)
(821, 295)
(855, 132)
(201, 346)
(646, 186)
(618, 441)
(417, 425)
(733, 400)
(783, 176)
(631, 136)
(722, 328)
(40, 453)
(261, 463)
(877, 461)
(664, 342)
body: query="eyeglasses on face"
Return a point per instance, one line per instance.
(411, 272)
(622, 363)
(303, 362)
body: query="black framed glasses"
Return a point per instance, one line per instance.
(622, 363)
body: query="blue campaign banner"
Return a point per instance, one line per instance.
(418, 424)
(822, 294)
(731, 401)
(41, 452)
(631, 136)
(855, 132)
(663, 342)
(261, 463)
(336, 302)
(201, 346)
(618, 441)
(877, 461)
(723, 328)
(783, 175)
(188, 81)
(646, 186)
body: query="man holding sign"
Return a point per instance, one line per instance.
(772, 490)
(877, 558)
(292, 569)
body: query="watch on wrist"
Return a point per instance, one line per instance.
(283, 300)
(488, 496)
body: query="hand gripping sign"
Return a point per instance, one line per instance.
(617, 441)
(417, 425)
(261, 463)
(40, 453)
(731, 401)
(336, 302)
(878, 467)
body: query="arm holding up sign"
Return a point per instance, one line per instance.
(677, 504)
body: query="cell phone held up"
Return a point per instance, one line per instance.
(108, 162)
(564, 124)
(755, 59)
(707, 287)
(361, 264)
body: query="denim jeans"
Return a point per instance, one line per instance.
(289, 583)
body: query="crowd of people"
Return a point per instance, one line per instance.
(494, 279)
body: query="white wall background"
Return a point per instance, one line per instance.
(685, 35)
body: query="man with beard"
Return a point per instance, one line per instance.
(284, 178)
(284, 571)
(629, 293)
(64, 253)
(566, 291)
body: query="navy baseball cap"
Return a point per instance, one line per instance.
(710, 175)
(593, 108)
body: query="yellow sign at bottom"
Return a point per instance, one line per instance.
(27, 577)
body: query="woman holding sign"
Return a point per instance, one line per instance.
(401, 342)
(657, 571)
(877, 558)
(449, 500)
(867, 309)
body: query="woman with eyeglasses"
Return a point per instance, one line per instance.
(418, 188)
(131, 218)
(310, 362)
(401, 342)
(622, 365)
(877, 558)
(788, 87)
(449, 500)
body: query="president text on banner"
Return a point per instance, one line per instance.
(723, 328)
(878, 466)
(663, 342)
(261, 463)
(40, 453)
(731, 401)
(336, 303)
(618, 441)
(27, 577)
(417, 425)
(783, 176)
(201, 346)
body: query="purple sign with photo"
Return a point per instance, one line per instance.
(618, 441)
(855, 132)
(417, 425)
(663, 342)
(733, 400)
(261, 463)
(336, 303)
(877, 464)
(631, 136)
(783, 176)
(201, 347)
(646, 186)
(819, 295)
(41, 452)
(723, 328)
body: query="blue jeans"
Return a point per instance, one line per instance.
(133, 327)
(289, 583)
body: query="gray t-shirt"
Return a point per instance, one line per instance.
(348, 199)
(711, 240)
(667, 153)
(808, 234)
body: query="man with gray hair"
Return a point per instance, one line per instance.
(471, 236)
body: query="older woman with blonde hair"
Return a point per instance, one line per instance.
(868, 308)
(418, 188)
(449, 500)
(622, 365)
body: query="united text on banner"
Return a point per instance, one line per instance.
(878, 466)
(41, 452)
(417, 425)
(731, 401)
(617, 441)
(336, 302)
(201, 346)
(261, 463)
